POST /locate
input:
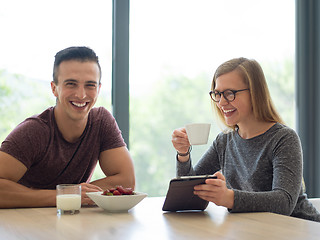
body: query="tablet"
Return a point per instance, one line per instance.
(180, 195)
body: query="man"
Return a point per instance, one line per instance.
(64, 143)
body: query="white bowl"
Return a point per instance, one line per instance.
(120, 203)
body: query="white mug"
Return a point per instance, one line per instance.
(198, 133)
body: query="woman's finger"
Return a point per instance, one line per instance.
(219, 175)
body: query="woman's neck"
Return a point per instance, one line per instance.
(254, 129)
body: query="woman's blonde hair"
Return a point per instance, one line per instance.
(252, 75)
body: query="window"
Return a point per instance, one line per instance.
(175, 47)
(32, 32)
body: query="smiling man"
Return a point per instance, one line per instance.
(64, 143)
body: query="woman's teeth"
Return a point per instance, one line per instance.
(227, 111)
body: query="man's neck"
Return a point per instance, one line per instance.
(71, 130)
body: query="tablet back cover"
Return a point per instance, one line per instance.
(180, 196)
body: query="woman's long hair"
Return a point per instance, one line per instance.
(253, 76)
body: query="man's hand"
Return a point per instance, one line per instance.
(87, 187)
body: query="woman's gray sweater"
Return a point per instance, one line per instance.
(265, 172)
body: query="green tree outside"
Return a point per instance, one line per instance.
(173, 102)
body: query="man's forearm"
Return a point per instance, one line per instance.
(115, 180)
(13, 195)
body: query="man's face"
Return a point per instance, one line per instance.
(77, 89)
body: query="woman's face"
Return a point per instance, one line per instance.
(239, 111)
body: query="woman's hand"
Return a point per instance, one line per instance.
(181, 143)
(216, 191)
(87, 187)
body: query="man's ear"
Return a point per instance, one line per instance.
(54, 89)
(99, 88)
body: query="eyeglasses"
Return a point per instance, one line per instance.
(228, 94)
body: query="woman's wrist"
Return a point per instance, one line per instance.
(184, 157)
(230, 198)
(185, 154)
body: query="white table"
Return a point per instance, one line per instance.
(148, 221)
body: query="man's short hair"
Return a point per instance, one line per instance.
(82, 54)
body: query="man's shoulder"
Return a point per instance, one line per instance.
(100, 113)
(43, 119)
(46, 115)
(30, 137)
(99, 110)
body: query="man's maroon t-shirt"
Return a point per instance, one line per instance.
(50, 159)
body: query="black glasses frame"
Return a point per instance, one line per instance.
(211, 93)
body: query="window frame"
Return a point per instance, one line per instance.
(307, 74)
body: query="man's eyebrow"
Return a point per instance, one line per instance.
(75, 81)
(91, 82)
(70, 80)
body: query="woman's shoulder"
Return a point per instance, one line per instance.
(225, 135)
(281, 129)
(278, 130)
(283, 135)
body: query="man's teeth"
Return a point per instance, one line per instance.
(79, 104)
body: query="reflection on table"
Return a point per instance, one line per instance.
(148, 221)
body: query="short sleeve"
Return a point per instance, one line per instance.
(26, 141)
(110, 134)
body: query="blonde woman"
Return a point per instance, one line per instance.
(258, 163)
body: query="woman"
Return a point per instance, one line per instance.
(258, 163)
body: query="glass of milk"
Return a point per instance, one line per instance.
(68, 198)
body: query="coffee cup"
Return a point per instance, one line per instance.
(198, 133)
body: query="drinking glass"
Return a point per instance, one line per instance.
(68, 198)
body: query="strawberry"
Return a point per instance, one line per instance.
(106, 192)
(121, 190)
(128, 191)
(116, 192)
